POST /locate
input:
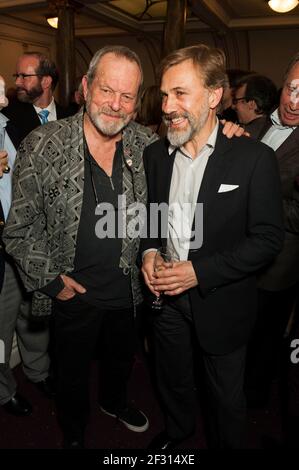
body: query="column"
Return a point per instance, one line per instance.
(174, 31)
(65, 49)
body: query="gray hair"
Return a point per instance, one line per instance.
(118, 51)
(291, 64)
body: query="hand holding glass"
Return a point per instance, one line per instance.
(164, 259)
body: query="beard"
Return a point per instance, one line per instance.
(29, 96)
(107, 128)
(179, 137)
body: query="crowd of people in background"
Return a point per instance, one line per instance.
(62, 287)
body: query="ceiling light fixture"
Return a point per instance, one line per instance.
(53, 21)
(282, 6)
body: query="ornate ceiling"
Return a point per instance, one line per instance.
(104, 17)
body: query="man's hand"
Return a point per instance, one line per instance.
(231, 129)
(148, 270)
(3, 162)
(71, 288)
(175, 280)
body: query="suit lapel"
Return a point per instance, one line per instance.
(35, 120)
(264, 130)
(218, 165)
(165, 170)
(59, 111)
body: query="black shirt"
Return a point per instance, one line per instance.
(96, 264)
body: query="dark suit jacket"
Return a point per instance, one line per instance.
(283, 272)
(242, 231)
(14, 136)
(25, 118)
(256, 126)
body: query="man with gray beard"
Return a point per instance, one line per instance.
(210, 294)
(64, 171)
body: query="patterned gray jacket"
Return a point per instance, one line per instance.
(48, 182)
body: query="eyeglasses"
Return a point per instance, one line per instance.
(235, 100)
(25, 75)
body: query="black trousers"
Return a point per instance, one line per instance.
(79, 329)
(226, 412)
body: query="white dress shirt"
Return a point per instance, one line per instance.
(186, 180)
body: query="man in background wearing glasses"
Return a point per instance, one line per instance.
(36, 78)
(255, 97)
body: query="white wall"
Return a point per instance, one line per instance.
(270, 51)
(17, 37)
(146, 51)
(265, 51)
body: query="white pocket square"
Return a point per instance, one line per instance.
(224, 188)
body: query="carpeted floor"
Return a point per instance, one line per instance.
(40, 430)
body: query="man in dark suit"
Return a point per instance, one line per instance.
(254, 99)
(211, 292)
(278, 283)
(36, 78)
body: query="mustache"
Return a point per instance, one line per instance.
(112, 113)
(292, 113)
(168, 117)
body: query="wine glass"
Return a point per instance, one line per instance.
(164, 259)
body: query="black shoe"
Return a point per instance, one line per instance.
(18, 406)
(47, 387)
(132, 418)
(163, 442)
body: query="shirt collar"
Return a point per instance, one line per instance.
(277, 122)
(211, 142)
(50, 107)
